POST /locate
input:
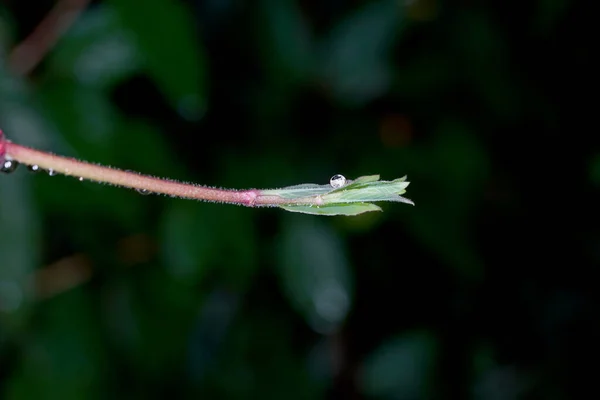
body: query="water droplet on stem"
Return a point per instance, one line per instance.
(34, 168)
(9, 166)
(143, 191)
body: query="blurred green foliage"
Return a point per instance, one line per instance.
(483, 290)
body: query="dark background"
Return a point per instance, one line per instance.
(484, 290)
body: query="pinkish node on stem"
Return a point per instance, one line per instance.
(250, 197)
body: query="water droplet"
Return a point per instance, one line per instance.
(9, 166)
(34, 168)
(81, 179)
(337, 181)
(51, 172)
(143, 191)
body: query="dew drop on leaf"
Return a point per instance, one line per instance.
(337, 181)
(34, 168)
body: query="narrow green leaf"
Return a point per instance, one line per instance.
(327, 200)
(347, 209)
(372, 191)
(298, 191)
(364, 179)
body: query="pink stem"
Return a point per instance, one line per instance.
(98, 173)
(24, 57)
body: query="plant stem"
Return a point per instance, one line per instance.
(339, 197)
(134, 180)
(28, 54)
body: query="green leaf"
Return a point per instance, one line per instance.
(351, 199)
(20, 255)
(370, 191)
(334, 209)
(19, 221)
(173, 56)
(188, 245)
(298, 191)
(288, 41)
(196, 240)
(315, 272)
(402, 368)
(443, 225)
(98, 50)
(63, 358)
(358, 182)
(354, 58)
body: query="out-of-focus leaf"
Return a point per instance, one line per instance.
(288, 40)
(315, 273)
(19, 114)
(548, 14)
(401, 368)
(260, 356)
(162, 312)
(85, 118)
(422, 79)
(97, 50)
(6, 31)
(189, 244)
(19, 223)
(142, 147)
(196, 237)
(482, 53)
(209, 332)
(238, 256)
(441, 224)
(354, 59)
(172, 55)
(19, 252)
(494, 381)
(62, 359)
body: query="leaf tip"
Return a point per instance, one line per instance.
(407, 201)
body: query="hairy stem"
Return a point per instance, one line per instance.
(87, 171)
(339, 197)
